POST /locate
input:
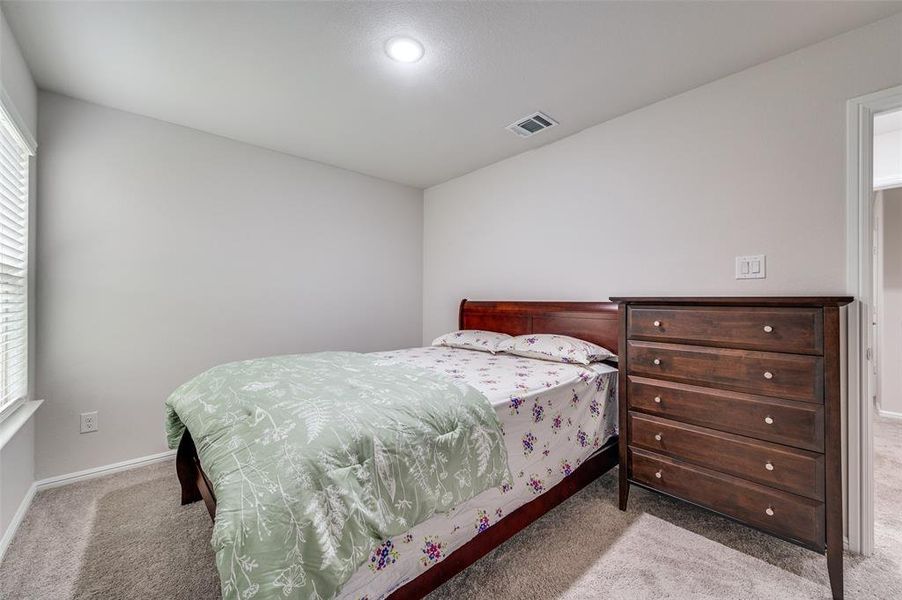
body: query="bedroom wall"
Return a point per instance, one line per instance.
(661, 200)
(17, 453)
(17, 80)
(888, 158)
(164, 251)
(16, 479)
(890, 322)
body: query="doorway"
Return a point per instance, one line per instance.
(864, 115)
(886, 360)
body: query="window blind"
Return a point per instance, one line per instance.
(14, 153)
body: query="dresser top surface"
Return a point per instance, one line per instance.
(736, 300)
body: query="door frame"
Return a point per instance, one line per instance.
(859, 283)
(877, 320)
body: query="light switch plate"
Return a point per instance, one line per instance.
(751, 267)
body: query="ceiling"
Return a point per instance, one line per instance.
(312, 79)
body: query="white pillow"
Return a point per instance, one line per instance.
(559, 348)
(472, 339)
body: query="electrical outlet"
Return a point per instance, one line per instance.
(88, 422)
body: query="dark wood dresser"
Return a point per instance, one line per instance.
(733, 404)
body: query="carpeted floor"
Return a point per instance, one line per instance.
(124, 536)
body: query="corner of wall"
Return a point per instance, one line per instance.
(16, 79)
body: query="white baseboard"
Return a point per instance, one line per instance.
(125, 465)
(888, 414)
(16, 520)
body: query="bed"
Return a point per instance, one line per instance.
(558, 423)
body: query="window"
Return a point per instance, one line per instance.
(14, 156)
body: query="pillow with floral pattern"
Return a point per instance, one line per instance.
(559, 348)
(472, 339)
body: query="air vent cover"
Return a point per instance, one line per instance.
(531, 124)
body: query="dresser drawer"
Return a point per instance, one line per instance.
(795, 330)
(793, 376)
(789, 469)
(794, 517)
(799, 424)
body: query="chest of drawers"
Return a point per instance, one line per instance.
(733, 404)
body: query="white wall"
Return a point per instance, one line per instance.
(164, 251)
(17, 455)
(16, 77)
(16, 475)
(890, 322)
(661, 200)
(888, 159)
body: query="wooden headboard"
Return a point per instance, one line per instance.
(594, 322)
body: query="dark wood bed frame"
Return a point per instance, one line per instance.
(591, 321)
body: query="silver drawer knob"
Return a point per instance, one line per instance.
(658, 437)
(768, 375)
(657, 361)
(768, 329)
(657, 323)
(769, 420)
(657, 399)
(769, 511)
(658, 474)
(769, 466)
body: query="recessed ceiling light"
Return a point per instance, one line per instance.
(404, 49)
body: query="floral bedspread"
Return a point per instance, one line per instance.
(554, 417)
(316, 459)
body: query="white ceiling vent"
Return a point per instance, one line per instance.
(531, 124)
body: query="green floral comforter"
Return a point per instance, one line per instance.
(314, 457)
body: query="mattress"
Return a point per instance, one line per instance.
(554, 416)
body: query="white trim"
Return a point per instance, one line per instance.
(859, 274)
(17, 519)
(125, 465)
(13, 422)
(877, 327)
(10, 409)
(888, 414)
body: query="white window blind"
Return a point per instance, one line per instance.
(14, 153)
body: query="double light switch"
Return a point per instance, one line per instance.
(750, 267)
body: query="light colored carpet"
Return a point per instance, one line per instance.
(111, 538)
(124, 536)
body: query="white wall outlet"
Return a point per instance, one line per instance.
(751, 267)
(88, 422)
